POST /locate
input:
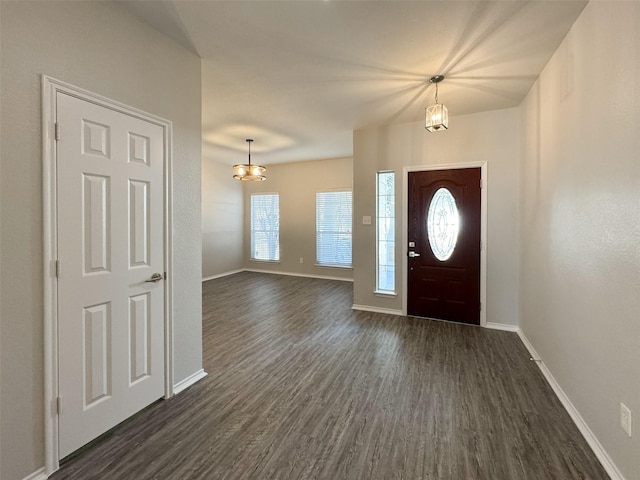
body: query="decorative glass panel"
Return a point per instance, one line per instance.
(443, 224)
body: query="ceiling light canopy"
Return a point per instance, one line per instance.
(437, 116)
(248, 172)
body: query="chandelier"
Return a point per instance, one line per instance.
(248, 172)
(437, 116)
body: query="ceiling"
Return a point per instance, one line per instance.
(299, 76)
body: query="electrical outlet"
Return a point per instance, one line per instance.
(301, 260)
(625, 418)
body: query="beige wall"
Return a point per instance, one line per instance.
(101, 47)
(490, 137)
(580, 230)
(222, 219)
(297, 184)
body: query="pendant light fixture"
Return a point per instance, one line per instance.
(248, 172)
(437, 116)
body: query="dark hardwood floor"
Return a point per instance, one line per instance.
(302, 387)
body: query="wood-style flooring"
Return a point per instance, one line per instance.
(302, 387)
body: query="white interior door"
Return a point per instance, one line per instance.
(110, 184)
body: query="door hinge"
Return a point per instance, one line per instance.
(165, 275)
(59, 405)
(58, 268)
(56, 130)
(480, 303)
(481, 184)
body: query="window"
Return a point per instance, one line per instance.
(333, 228)
(265, 227)
(386, 261)
(443, 224)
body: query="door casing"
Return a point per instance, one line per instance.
(483, 228)
(50, 88)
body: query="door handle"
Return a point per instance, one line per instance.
(414, 254)
(156, 277)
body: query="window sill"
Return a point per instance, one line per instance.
(385, 293)
(257, 260)
(344, 267)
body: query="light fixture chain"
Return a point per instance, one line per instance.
(436, 93)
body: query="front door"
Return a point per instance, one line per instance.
(110, 195)
(444, 244)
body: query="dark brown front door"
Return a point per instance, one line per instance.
(444, 245)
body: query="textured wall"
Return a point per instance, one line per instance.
(101, 47)
(222, 219)
(297, 184)
(490, 137)
(580, 230)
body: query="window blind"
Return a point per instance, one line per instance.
(333, 228)
(265, 227)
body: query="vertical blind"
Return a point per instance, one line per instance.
(333, 228)
(265, 227)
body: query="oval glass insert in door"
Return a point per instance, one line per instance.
(443, 224)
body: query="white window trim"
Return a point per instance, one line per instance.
(329, 265)
(259, 260)
(385, 293)
(378, 291)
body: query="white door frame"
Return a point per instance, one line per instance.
(483, 228)
(50, 88)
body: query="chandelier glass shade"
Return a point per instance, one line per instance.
(436, 116)
(248, 172)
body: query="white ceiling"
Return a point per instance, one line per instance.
(299, 76)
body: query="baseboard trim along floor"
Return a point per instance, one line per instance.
(37, 475)
(190, 380)
(367, 308)
(573, 412)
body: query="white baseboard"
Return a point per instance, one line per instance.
(41, 474)
(586, 432)
(37, 475)
(190, 380)
(501, 326)
(220, 275)
(390, 311)
(367, 308)
(292, 274)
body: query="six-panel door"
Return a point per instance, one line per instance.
(110, 241)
